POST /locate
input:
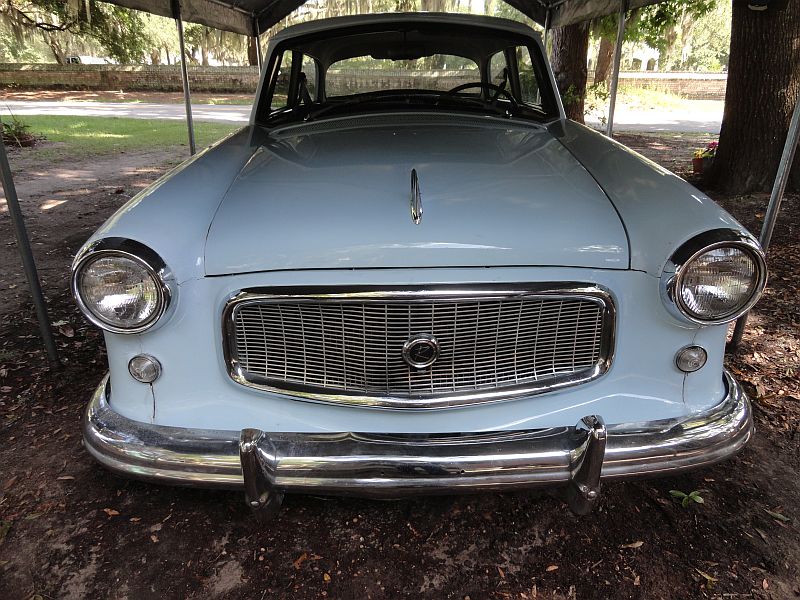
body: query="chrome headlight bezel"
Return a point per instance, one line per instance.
(676, 267)
(136, 252)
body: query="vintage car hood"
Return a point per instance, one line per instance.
(660, 210)
(337, 194)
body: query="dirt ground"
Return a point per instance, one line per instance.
(69, 529)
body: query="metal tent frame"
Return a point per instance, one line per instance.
(252, 17)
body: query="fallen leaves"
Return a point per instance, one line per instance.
(777, 516)
(300, 560)
(633, 545)
(64, 328)
(5, 527)
(709, 579)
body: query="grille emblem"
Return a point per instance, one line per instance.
(421, 351)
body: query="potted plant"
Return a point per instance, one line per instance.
(704, 157)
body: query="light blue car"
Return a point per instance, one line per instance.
(412, 274)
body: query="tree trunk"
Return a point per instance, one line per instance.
(252, 51)
(605, 56)
(204, 44)
(55, 47)
(763, 87)
(570, 47)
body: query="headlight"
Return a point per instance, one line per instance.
(120, 290)
(715, 277)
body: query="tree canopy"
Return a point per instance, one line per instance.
(32, 29)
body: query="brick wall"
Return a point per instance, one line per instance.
(245, 79)
(345, 81)
(161, 78)
(697, 86)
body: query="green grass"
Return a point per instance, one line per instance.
(226, 101)
(103, 135)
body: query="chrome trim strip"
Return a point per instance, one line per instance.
(672, 275)
(572, 290)
(416, 198)
(373, 464)
(137, 252)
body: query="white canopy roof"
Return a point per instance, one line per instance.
(249, 17)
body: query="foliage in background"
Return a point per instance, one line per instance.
(711, 41)
(48, 30)
(662, 25)
(596, 102)
(688, 34)
(119, 31)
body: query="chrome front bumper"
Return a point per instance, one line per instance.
(368, 464)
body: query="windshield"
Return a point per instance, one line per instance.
(363, 74)
(463, 69)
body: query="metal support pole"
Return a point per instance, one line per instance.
(546, 32)
(775, 199)
(259, 57)
(257, 36)
(25, 253)
(187, 97)
(615, 70)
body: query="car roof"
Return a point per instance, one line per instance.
(335, 23)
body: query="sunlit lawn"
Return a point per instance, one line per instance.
(103, 135)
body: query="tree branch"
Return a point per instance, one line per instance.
(27, 21)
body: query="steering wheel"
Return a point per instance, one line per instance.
(491, 86)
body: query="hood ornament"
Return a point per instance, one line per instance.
(416, 198)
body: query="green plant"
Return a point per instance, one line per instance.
(15, 131)
(596, 101)
(570, 96)
(686, 499)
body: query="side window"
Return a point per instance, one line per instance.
(309, 69)
(280, 94)
(528, 84)
(497, 66)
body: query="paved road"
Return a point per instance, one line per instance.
(138, 110)
(700, 116)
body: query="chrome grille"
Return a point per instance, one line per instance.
(347, 347)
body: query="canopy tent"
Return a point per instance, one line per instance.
(252, 17)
